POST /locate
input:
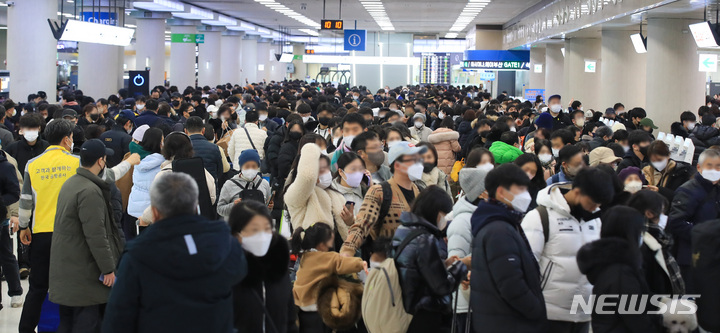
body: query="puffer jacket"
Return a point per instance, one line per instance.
(239, 142)
(673, 176)
(425, 282)
(446, 143)
(143, 176)
(210, 154)
(464, 130)
(561, 277)
(504, 153)
(708, 135)
(460, 240)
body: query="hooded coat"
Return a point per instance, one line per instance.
(142, 178)
(505, 292)
(446, 143)
(193, 264)
(612, 269)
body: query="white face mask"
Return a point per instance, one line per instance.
(555, 108)
(580, 122)
(415, 172)
(633, 186)
(660, 165)
(662, 222)
(626, 148)
(691, 126)
(257, 244)
(347, 141)
(249, 174)
(711, 175)
(556, 152)
(262, 117)
(305, 119)
(140, 107)
(418, 124)
(390, 144)
(31, 136)
(521, 202)
(545, 158)
(486, 166)
(325, 180)
(441, 115)
(442, 223)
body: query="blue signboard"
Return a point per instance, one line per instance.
(100, 17)
(487, 76)
(532, 94)
(355, 40)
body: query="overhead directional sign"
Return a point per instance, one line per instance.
(354, 40)
(590, 66)
(708, 62)
(187, 38)
(497, 65)
(496, 59)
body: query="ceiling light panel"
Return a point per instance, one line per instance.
(376, 9)
(282, 9)
(469, 13)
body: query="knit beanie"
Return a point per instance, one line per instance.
(248, 155)
(472, 182)
(624, 173)
(544, 120)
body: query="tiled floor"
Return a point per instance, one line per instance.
(9, 317)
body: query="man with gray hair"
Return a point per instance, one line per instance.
(695, 202)
(178, 276)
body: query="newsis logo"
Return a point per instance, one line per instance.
(635, 304)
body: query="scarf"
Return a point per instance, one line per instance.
(678, 285)
(137, 149)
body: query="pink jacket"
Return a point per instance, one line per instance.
(445, 141)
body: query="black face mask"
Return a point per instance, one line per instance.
(644, 150)
(324, 120)
(175, 103)
(427, 167)
(295, 136)
(95, 117)
(579, 212)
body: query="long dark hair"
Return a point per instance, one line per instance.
(430, 202)
(177, 146)
(242, 213)
(539, 179)
(152, 140)
(306, 239)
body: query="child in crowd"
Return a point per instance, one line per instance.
(246, 185)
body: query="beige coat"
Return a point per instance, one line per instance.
(446, 143)
(306, 202)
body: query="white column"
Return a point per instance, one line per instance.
(33, 49)
(674, 83)
(300, 67)
(554, 70)
(249, 61)
(99, 69)
(623, 71)
(581, 85)
(230, 54)
(150, 48)
(537, 57)
(209, 59)
(182, 59)
(263, 51)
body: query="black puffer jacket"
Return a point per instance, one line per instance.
(267, 284)
(272, 149)
(708, 135)
(611, 270)
(677, 129)
(426, 284)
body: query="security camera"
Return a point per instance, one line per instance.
(10, 3)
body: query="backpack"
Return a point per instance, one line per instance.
(544, 220)
(250, 193)
(382, 304)
(706, 272)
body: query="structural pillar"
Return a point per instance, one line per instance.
(537, 58)
(230, 54)
(623, 71)
(554, 70)
(150, 48)
(209, 57)
(300, 66)
(182, 58)
(100, 69)
(582, 83)
(249, 59)
(674, 83)
(33, 56)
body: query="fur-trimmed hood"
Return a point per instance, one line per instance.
(271, 267)
(594, 257)
(443, 134)
(339, 302)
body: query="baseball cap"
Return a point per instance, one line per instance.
(588, 114)
(609, 111)
(603, 155)
(127, 114)
(139, 133)
(69, 113)
(648, 122)
(404, 148)
(94, 149)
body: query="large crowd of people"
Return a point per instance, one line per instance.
(304, 207)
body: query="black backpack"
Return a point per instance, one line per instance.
(250, 193)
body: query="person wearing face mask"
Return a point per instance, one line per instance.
(637, 156)
(352, 180)
(289, 149)
(419, 131)
(432, 175)
(265, 121)
(426, 274)
(695, 202)
(685, 126)
(249, 137)
(555, 109)
(352, 125)
(383, 204)
(30, 145)
(446, 142)
(118, 139)
(633, 181)
(145, 172)
(240, 187)
(664, 173)
(496, 233)
(267, 286)
(369, 148)
(543, 150)
(662, 272)
(567, 217)
(325, 116)
(571, 161)
(309, 196)
(578, 119)
(560, 139)
(613, 264)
